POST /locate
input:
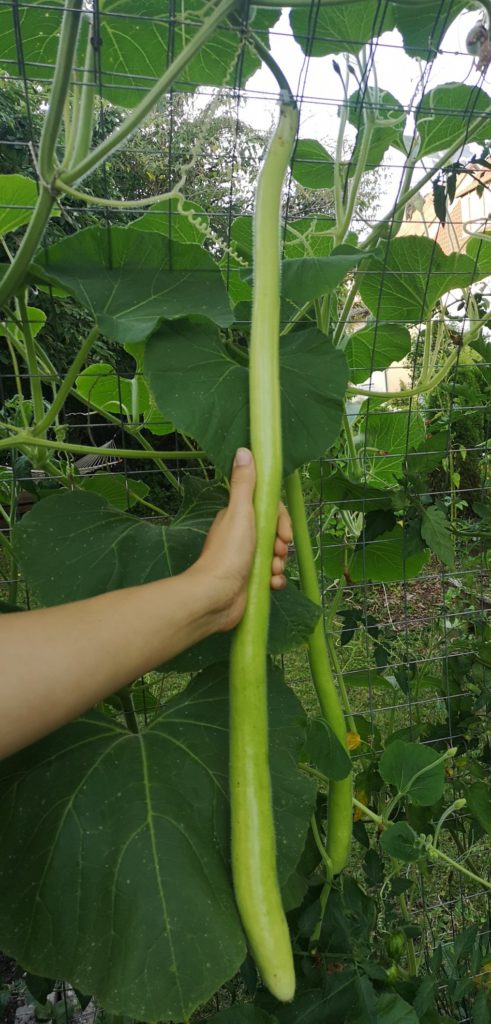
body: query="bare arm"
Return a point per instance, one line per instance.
(57, 662)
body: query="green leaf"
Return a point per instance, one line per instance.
(450, 112)
(389, 435)
(103, 388)
(479, 251)
(324, 750)
(137, 827)
(341, 29)
(36, 318)
(400, 764)
(74, 545)
(391, 119)
(478, 798)
(406, 276)
(244, 1015)
(367, 680)
(375, 347)
(135, 49)
(196, 380)
(435, 531)
(165, 218)
(129, 280)
(292, 619)
(352, 494)
(423, 26)
(119, 491)
(309, 236)
(481, 1010)
(18, 197)
(309, 278)
(312, 165)
(402, 842)
(335, 1001)
(382, 560)
(391, 1009)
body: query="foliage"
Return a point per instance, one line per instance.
(129, 833)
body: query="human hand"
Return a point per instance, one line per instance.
(227, 556)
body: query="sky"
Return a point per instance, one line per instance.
(322, 88)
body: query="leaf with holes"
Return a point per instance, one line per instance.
(138, 828)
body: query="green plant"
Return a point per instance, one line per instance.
(135, 821)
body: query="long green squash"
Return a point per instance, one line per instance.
(253, 836)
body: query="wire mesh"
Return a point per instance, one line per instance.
(426, 624)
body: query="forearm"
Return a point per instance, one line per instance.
(57, 662)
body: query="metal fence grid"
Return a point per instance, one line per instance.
(418, 613)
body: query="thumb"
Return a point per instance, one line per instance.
(243, 479)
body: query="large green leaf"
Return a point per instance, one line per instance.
(414, 771)
(388, 436)
(310, 278)
(392, 1009)
(382, 560)
(402, 842)
(312, 166)
(18, 197)
(406, 276)
(341, 29)
(114, 850)
(478, 798)
(353, 494)
(130, 279)
(390, 116)
(423, 26)
(75, 545)
(435, 530)
(450, 112)
(104, 389)
(165, 218)
(244, 1015)
(375, 347)
(204, 390)
(136, 46)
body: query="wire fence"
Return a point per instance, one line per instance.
(400, 643)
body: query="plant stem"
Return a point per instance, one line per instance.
(339, 810)
(340, 682)
(420, 389)
(126, 700)
(85, 111)
(438, 855)
(14, 276)
(50, 416)
(135, 118)
(31, 360)
(368, 813)
(24, 440)
(353, 455)
(61, 80)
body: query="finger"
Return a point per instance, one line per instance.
(284, 528)
(280, 548)
(243, 480)
(278, 582)
(278, 566)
